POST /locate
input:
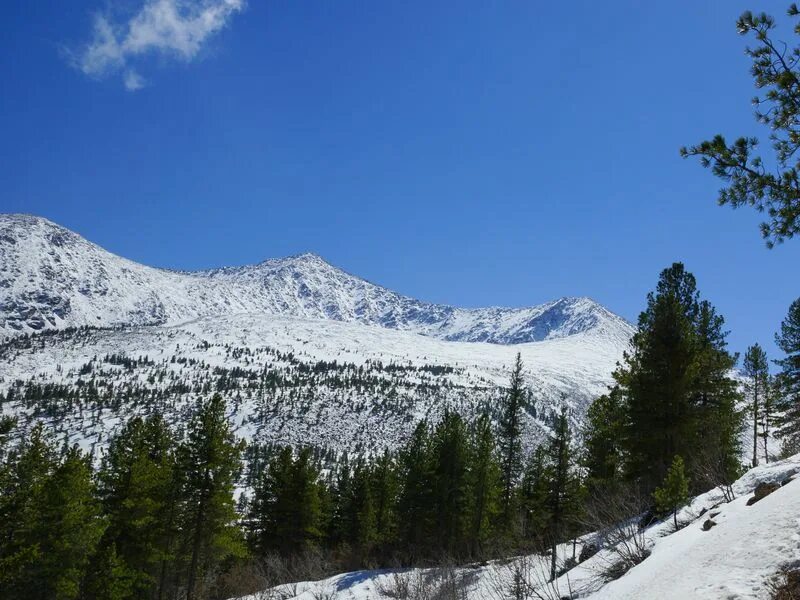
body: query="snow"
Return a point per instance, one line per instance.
(735, 559)
(51, 277)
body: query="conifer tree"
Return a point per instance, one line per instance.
(66, 530)
(137, 487)
(748, 179)
(210, 461)
(674, 492)
(678, 397)
(564, 494)
(484, 484)
(385, 492)
(22, 498)
(788, 340)
(271, 509)
(510, 441)
(450, 482)
(756, 370)
(533, 496)
(602, 451)
(415, 504)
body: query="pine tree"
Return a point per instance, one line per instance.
(210, 461)
(756, 370)
(25, 475)
(137, 489)
(788, 340)
(450, 482)
(271, 509)
(676, 390)
(66, 531)
(385, 488)
(286, 514)
(533, 496)
(602, 448)
(748, 180)
(415, 504)
(484, 484)
(509, 441)
(564, 493)
(674, 492)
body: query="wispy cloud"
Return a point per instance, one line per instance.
(175, 29)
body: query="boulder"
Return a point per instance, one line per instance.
(762, 490)
(708, 524)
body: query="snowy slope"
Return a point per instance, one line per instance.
(51, 277)
(380, 413)
(735, 559)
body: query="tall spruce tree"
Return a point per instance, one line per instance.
(678, 396)
(137, 488)
(484, 484)
(450, 482)
(510, 442)
(533, 497)
(210, 461)
(602, 442)
(564, 491)
(788, 340)
(415, 503)
(756, 369)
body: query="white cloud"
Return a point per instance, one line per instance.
(172, 28)
(133, 81)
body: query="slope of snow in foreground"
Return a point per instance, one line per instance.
(737, 558)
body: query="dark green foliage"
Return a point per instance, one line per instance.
(49, 521)
(677, 397)
(674, 492)
(138, 487)
(209, 460)
(509, 439)
(450, 454)
(485, 485)
(286, 513)
(788, 340)
(770, 187)
(564, 491)
(602, 452)
(534, 492)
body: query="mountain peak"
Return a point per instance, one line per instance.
(51, 277)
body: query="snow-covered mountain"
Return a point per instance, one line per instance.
(305, 353)
(51, 277)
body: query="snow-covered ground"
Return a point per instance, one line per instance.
(573, 369)
(735, 559)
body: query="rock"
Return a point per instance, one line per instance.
(787, 480)
(762, 490)
(708, 524)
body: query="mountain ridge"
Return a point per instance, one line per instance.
(51, 277)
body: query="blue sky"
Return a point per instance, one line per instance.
(474, 153)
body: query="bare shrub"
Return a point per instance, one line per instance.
(786, 584)
(526, 578)
(713, 470)
(616, 517)
(440, 583)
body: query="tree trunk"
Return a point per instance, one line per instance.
(755, 425)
